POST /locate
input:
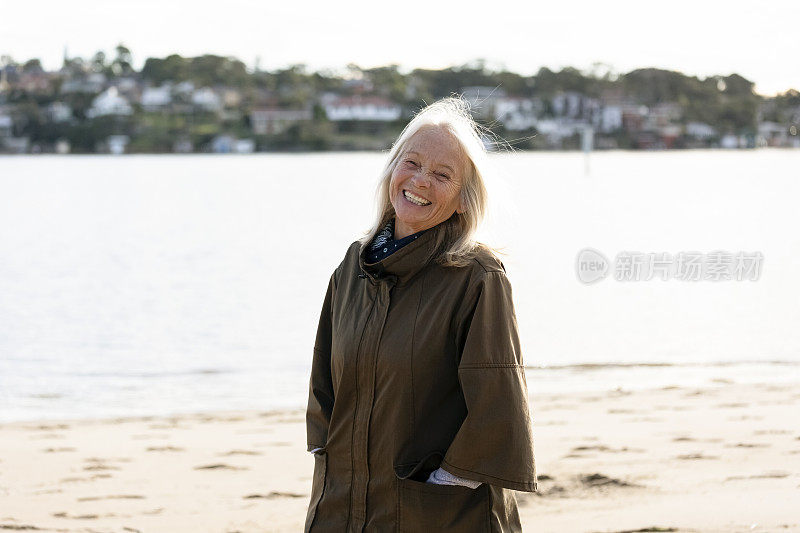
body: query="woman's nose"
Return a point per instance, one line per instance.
(420, 178)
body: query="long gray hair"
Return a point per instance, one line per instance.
(455, 241)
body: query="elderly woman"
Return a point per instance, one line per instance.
(418, 407)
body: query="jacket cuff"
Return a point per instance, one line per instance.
(525, 486)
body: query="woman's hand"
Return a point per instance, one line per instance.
(443, 477)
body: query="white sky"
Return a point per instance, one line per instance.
(758, 40)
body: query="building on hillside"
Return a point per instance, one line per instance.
(58, 112)
(206, 99)
(228, 144)
(608, 119)
(115, 144)
(276, 120)
(772, 134)
(517, 113)
(700, 130)
(361, 108)
(109, 102)
(6, 127)
(92, 82)
(156, 98)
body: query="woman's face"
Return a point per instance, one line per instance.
(425, 188)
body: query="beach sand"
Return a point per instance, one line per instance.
(720, 458)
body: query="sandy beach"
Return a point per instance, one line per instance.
(720, 458)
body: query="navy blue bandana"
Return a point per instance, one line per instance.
(384, 243)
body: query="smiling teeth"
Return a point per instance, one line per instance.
(414, 199)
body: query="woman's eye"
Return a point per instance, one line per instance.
(443, 176)
(411, 162)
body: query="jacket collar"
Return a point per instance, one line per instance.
(403, 264)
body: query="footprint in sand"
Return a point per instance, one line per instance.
(649, 529)
(600, 480)
(45, 427)
(765, 475)
(601, 448)
(62, 449)
(112, 497)
(220, 467)
(554, 491)
(275, 494)
(164, 449)
(748, 445)
(48, 491)
(80, 516)
(240, 452)
(693, 456)
(99, 467)
(695, 394)
(79, 479)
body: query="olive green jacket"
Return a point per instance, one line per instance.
(418, 366)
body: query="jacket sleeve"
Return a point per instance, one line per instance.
(320, 388)
(494, 443)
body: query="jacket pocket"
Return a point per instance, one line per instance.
(317, 486)
(423, 507)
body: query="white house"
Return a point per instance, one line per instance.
(556, 130)
(273, 120)
(517, 113)
(567, 104)
(362, 108)
(109, 102)
(227, 144)
(206, 99)
(772, 134)
(58, 112)
(731, 141)
(90, 83)
(156, 98)
(609, 118)
(6, 126)
(117, 144)
(700, 130)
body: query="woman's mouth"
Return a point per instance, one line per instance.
(414, 199)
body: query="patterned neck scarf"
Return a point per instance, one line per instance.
(384, 243)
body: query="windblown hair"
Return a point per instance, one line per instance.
(455, 240)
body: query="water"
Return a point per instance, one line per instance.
(159, 284)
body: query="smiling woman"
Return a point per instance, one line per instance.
(418, 407)
(425, 187)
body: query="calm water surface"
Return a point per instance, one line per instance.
(159, 284)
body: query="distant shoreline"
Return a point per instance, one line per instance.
(500, 152)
